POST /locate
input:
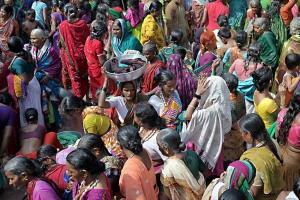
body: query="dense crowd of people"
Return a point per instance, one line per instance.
(214, 114)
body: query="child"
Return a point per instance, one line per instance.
(291, 77)
(30, 24)
(184, 166)
(135, 15)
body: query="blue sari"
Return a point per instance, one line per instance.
(126, 42)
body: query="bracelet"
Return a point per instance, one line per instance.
(197, 96)
(192, 107)
(104, 89)
(213, 73)
(283, 105)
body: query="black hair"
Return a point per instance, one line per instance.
(6, 98)
(114, 3)
(151, 47)
(292, 61)
(8, 9)
(58, 3)
(133, 3)
(15, 45)
(232, 194)
(163, 77)
(232, 82)
(118, 23)
(102, 11)
(91, 141)
(253, 124)
(98, 30)
(225, 33)
(253, 54)
(71, 10)
(262, 78)
(84, 159)
(176, 36)
(72, 103)
(38, 166)
(31, 115)
(46, 151)
(30, 12)
(291, 113)
(180, 51)
(240, 38)
(129, 138)
(154, 6)
(21, 164)
(296, 188)
(86, 6)
(147, 114)
(171, 139)
(222, 21)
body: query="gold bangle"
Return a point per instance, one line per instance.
(191, 106)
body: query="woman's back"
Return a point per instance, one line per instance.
(31, 137)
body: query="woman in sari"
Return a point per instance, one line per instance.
(96, 56)
(113, 165)
(237, 14)
(186, 84)
(266, 103)
(95, 121)
(8, 27)
(23, 85)
(289, 129)
(242, 68)
(182, 174)
(137, 179)
(211, 114)
(151, 29)
(23, 173)
(124, 104)
(268, 181)
(166, 100)
(234, 145)
(154, 67)
(90, 181)
(208, 43)
(135, 15)
(122, 40)
(151, 123)
(73, 59)
(175, 39)
(290, 46)
(239, 176)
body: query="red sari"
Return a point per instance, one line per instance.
(72, 38)
(148, 77)
(92, 49)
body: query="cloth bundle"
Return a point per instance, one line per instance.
(125, 66)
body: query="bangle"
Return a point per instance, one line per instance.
(197, 96)
(104, 89)
(192, 107)
(282, 105)
(213, 73)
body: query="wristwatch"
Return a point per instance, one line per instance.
(197, 96)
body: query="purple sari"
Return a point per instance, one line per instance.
(186, 84)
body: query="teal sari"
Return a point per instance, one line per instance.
(126, 42)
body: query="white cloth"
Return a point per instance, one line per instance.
(153, 149)
(157, 103)
(291, 196)
(32, 100)
(210, 121)
(119, 104)
(219, 41)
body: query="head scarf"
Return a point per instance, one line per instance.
(213, 116)
(96, 124)
(239, 175)
(116, 42)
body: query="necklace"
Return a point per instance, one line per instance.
(149, 135)
(90, 186)
(161, 96)
(132, 155)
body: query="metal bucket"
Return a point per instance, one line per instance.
(129, 76)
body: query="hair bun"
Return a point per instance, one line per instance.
(135, 146)
(182, 146)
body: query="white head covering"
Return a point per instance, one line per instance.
(202, 2)
(210, 121)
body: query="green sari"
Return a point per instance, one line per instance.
(269, 53)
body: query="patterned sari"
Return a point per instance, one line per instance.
(186, 84)
(179, 182)
(6, 30)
